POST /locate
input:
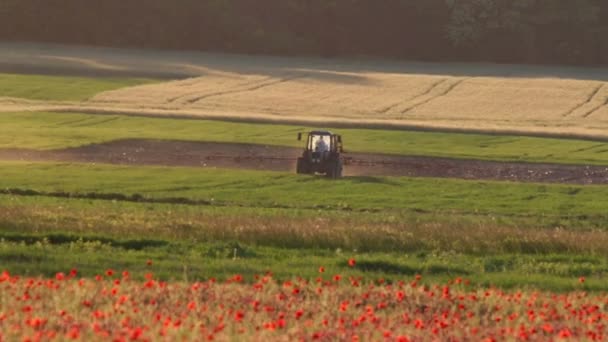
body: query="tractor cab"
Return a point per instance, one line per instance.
(322, 154)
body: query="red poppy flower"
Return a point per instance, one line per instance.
(191, 306)
(565, 333)
(299, 313)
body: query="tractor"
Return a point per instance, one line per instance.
(322, 154)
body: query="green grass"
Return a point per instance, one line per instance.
(405, 232)
(45, 255)
(56, 130)
(546, 204)
(245, 222)
(439, 228)
(60, 88)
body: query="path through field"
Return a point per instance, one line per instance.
(478, 97)
(275, 158)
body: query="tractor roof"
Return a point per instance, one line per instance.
(321, 133)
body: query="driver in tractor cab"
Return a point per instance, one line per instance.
(321, 146)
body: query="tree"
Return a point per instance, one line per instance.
(563, 24)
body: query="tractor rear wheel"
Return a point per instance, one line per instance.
(335, 169)
(302, 166)
(339, 169)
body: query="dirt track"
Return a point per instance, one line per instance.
(275, 158)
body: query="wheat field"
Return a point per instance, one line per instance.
(486, 97)
(376, 96)
(495, 103)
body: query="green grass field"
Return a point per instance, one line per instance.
(505, 234)
(549, 204)
(200, 223)
(46, 235)
(57, 130)
(382, 231)
(187, 261)
(60, 88)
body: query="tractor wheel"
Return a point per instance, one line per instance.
(335, 170)
(339, 169)
(302, 166)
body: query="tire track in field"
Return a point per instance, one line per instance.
(87, 121)
(588, 101)
(591, 112)
(589, 148)
(198, 93)
(95, 123)
(238, 91)
(449, 89)
(72, 122)
(426, 92)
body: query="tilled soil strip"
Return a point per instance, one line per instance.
(277, 158)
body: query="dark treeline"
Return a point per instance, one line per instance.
(521, 31)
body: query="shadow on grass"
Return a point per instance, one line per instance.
(231, 249)
(59, 239)
(386, 267)
(138, 198)
(441, 269)
(393, 268)
(18, 257)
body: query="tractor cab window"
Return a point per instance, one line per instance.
(321, 143)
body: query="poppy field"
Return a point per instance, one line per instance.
(328, 307)
(363, 258)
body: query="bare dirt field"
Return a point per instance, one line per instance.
(536, 100)
(273, 158)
